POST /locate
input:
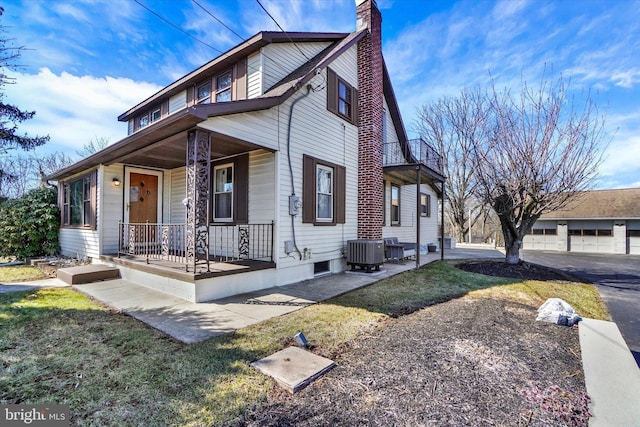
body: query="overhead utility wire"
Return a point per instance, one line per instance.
(206, 44)
(282, 67)
(178, 28)
(216, 18)
(282, 29)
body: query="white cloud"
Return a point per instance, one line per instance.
(74, 109)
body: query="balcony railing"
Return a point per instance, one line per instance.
(395, 154)
(167, 242)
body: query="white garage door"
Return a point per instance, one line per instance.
(633, 242)
(591, 236)
(541, 242)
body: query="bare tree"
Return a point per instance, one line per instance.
(29, 172)
(453, 126)
(542, 146)
(93, 146)
(10, 115)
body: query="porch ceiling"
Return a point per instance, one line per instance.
(408, 174)
(171, 152)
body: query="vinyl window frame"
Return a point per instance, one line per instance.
(309, 192)
(334, 97)
(395, 205)
(87, 204)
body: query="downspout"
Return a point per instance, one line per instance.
(293, 190)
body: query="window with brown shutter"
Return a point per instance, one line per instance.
(229, 194)
(342, 98)
(323, 192)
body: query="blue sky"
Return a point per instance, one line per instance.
(90, 60)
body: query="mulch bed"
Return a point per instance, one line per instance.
(468, 361)
(523, 270)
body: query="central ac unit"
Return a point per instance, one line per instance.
(367, 254)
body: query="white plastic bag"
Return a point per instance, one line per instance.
(555, 310)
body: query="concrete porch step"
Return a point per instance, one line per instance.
(87, 274)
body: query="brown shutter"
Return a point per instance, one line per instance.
(239, 90)
(308, 189)
(354, 107)
(340, 194)
(241, 190)
(94, 200)
(191, 94)
(332, 91)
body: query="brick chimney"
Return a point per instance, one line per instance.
(370, 109)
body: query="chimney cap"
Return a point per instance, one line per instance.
(359, 2)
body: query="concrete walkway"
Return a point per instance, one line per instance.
(611, 375)
(193, 322)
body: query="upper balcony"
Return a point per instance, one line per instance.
(401, 159)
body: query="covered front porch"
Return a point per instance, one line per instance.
(161, 248)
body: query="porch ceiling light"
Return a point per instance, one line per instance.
(115, 182)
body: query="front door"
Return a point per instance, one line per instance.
(143, 198)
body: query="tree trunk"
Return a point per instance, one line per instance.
(513, 251)
(512, 241)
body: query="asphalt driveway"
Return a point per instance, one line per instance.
(617, 278)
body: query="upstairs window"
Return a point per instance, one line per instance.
(143, 121)
(204, 93)
(342, 98)
(155, 115)
(223, 87)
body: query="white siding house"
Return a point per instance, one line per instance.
(245, 173)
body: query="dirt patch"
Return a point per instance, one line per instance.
(523, 270)
(468, 361)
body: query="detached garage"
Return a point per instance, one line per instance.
(601, 221)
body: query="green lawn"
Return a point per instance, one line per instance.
(20, 273)
(58, 346)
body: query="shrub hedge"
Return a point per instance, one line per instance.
(29, 225)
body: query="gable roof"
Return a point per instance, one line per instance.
(600, 204)
(183, 120)
(226, 59)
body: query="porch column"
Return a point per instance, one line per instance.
(197, 201)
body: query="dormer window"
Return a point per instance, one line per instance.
(144, 121)
(155, 115)
(204, 93)
(223, 87)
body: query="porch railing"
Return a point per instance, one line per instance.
(395, 154)
(167, 242)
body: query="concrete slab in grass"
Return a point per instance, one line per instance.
(294, 368)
